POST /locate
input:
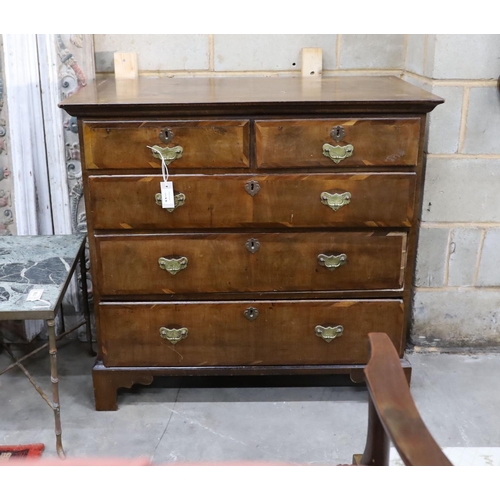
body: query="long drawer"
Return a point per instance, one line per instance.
(249, 262)
(245, 333)
(336, 142)
(124, 145)
(265, 201)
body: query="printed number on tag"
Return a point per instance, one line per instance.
(167, 194)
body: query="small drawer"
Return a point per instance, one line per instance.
(249, 262)
(193, 144)
(245, 333)
(337, 142)
(260, 201)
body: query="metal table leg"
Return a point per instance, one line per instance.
(61, 315)
(55, 386)
(54, 378)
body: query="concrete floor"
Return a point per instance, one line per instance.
(193, 420)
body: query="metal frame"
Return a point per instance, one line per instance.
(49, 317)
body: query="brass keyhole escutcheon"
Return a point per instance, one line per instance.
(166, 135)
(252, 245)
(251, 313)
(337, 133)
(252, 187)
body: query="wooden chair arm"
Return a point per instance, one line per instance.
(392, 405)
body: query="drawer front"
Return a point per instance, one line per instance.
(245, 333)
(249, 262)
(205, 144)
(220, 201)
(362, 142)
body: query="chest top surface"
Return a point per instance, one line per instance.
(238, 95)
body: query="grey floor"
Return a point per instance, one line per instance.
(189, 420)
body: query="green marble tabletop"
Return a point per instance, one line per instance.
(40, 265)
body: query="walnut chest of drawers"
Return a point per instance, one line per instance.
(292, 235)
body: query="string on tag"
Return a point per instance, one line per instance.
(164, 168)
(167, 188)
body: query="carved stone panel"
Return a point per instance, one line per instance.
(7, 220)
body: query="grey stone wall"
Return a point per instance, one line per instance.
(457, 297)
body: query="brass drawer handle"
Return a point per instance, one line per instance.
(332, 262)
(173, 335)
(328, 333)
(167, 154)
(334, 201)
(173, 266)
(338, 153)
(179, 200)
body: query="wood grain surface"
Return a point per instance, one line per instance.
(221, 262)
(299, 143)
(219, 334)
(221, 201)
(286, 95)
(124, 145)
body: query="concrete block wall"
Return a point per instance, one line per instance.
(259, 54)
(457, 281)
(457, 299)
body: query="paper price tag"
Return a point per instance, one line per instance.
(167, 194)
(35, 294)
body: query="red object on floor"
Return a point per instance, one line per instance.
(78, 462)
(21, 452)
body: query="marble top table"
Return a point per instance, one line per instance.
(36, 263)
(35, 272)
